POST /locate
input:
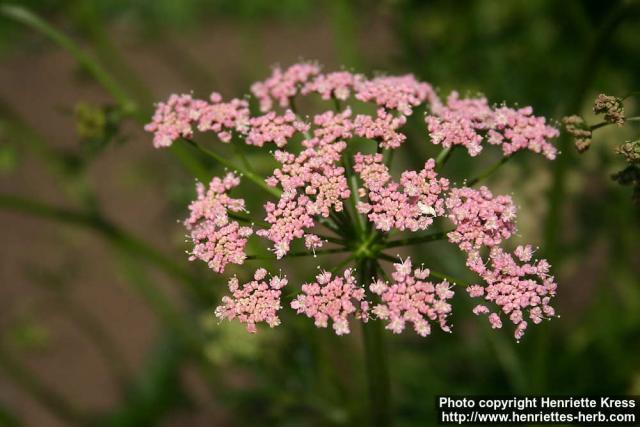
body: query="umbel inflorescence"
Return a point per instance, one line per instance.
(330, 190)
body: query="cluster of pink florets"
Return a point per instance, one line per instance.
(333, 298)
(253, 302)
(480, 218)
(521, 287)
(468, 122)
(411, 298)
(216, 239)
(411, 204)
(316, 181)
(175, 118)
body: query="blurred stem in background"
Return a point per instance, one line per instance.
(553, 244)
(375, 355)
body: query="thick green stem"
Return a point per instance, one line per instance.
(375, 360)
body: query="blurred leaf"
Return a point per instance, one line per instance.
(28, 334)
(9, 158)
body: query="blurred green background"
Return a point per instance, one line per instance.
(104, 322)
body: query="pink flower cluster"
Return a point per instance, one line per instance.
(283, 85)
(253, 302)
(332, 298)
(313, 181)
(339, 84)
(217, 240)
(410, 298)
(401, 93)
(324, 167)
(410, 205)
(273, 128)
(175, 118)
(467, 122)
(384, 128)
(480, 218)
(519, 286)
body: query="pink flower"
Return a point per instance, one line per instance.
(283, 85)
(253, 302)
(400, 93)
(313, 161)
(480, 218)
(519, 287)
(217, 240)
(313, 242)
(289, 219)
(383, 128)
(274, 128)
(519, 129)
(223, 117)
(467, 122)
(459, 122)
(175, 118)
(410, 298)
(338, 84)
(410, 205)
(332, 298)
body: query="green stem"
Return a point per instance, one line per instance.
(331, 239)
(443, 157)
(489, 171)
(26, 17)
(605, 124)
(417, 240)
(630, 94)
(259, 181)
(353, 187)
(92, 221)
(342, 264)
(375, 360)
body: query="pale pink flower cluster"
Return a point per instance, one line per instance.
(384, 128)
(253, 302)
(401, 93)
(480, 218)
(283, 85)
(516, 130)
(274, 128)
(409, 205)
(313, 242)
(339, 84)
(333, 298)
(175, 118)
(217, 240)
(411, 298)
(289, 219)
(521, 287)
(315, 186)
(467, 122)
(313, 181)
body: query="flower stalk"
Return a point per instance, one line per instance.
(375, 355)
